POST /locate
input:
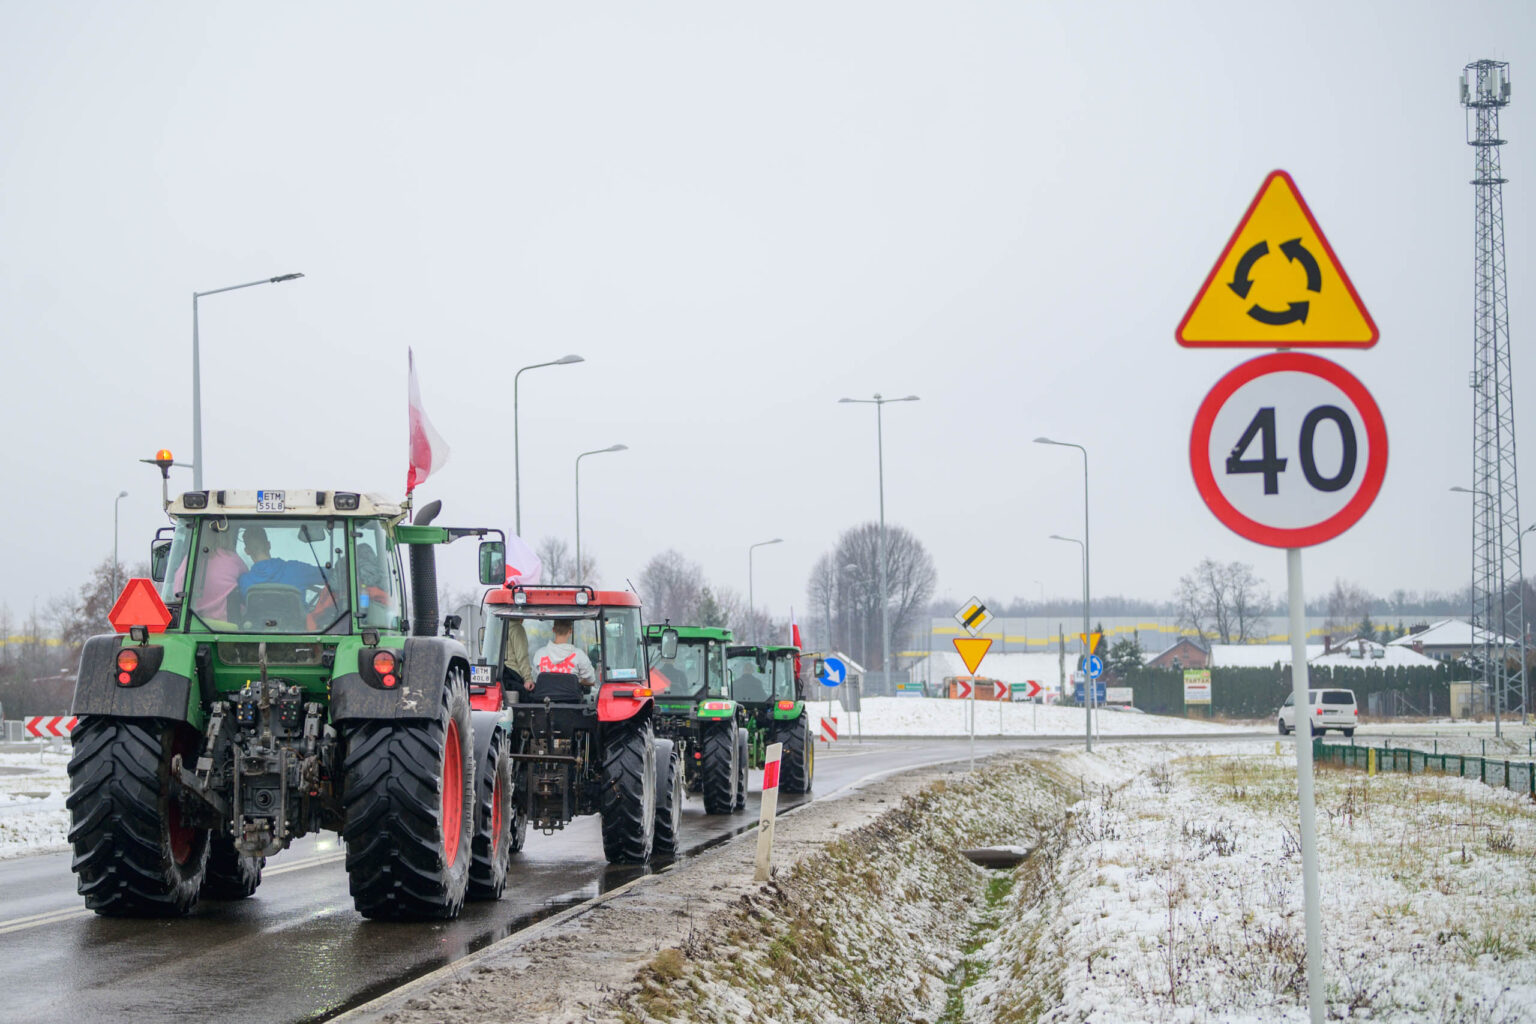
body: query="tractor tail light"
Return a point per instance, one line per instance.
(382, 669)
(384, 662)
(135, 666)
(786, 705)
(127, 660)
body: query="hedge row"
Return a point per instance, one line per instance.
(1258, 692)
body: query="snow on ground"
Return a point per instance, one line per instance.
(33, 785)
(1178, 898)
(935, 716)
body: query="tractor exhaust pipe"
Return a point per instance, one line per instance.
(424, 576)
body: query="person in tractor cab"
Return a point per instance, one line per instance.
(218, 574)
(266, 569)
(369, 576)
(560, 655)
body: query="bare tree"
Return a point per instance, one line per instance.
(559, 565)
(1222, 603)
(852, 579)
(670, 588)
(1349, 604)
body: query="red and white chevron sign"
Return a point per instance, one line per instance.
(50, 726)
(828, 729)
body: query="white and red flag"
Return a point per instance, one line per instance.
(428, 451)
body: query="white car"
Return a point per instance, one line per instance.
(1329, 709)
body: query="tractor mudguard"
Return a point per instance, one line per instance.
(485, 725)
(426, 660)
(167, 694)
(616, 702)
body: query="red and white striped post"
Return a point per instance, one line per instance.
(770, 806)
(828, 728)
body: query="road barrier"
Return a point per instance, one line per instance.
(828, 729)
(1519, 776)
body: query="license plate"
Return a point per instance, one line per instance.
(480, 675)
(269, 501)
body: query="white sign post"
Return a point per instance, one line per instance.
(1289, 450)
(770, 807)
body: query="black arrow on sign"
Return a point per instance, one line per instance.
(1240, 282)
(1296, 311)
(1294, 251)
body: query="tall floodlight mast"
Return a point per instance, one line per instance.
(1497, 578)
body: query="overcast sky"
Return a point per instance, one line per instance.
(737, 214)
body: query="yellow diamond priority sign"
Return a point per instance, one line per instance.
(1277, 284)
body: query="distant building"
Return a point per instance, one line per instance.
(1185, 653)
(1449, 638)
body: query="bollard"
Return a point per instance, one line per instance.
(1370, 761)
(768, 811)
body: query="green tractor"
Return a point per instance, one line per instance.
(282, 681)
(767, 682)
(694, 709)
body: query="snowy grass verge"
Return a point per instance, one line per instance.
(33, 786)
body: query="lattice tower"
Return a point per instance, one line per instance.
(1497, 577)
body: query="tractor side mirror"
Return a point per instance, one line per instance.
(668, 644)
(451, 624)
(762, 662)
(818, 666)
(493, 563)
(159, 557)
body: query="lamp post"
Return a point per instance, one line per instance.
(115, 502)
(197, 374)
(595, 451)
(1087, 589)
(885, 604)
(751, 604)
(517, 479)
(1087, 682)
(1501, 669)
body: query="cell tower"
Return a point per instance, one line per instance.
(1497, 577)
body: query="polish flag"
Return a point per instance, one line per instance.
(523, 565)
(428, 451)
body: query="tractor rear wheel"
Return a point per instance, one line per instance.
(492, 847)
(717, 768)
(799, 756)
(669, 798)
(409, 797)
(742, 758)
(133, 856)
(628, 804)
(231, 875)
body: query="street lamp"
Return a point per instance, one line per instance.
(517, 479)
(1501, 670)
(197, 374)
(1086, 587)
(1087, 682)
(885, 604)
(751, 604)
(595, 451)
(115, 502)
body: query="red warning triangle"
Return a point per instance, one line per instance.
(972, 650)
(139, 605)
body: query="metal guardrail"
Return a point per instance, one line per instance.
(1519, 776)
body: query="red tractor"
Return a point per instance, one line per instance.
(568, 665)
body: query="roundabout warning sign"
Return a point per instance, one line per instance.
(1277, 284)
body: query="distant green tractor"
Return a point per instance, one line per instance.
(281, 681)
(768, 684)
(694, 709)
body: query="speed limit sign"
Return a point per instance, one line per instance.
(1289, 450)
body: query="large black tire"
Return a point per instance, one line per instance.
(797, 762)
(133, 857)
(492, 847)
(669, 798)
(743, 757)
(1283, 730)
(628, 803)
(231, 875)
(717, 768)
(409, 796)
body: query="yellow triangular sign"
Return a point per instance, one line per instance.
(1277, 284)
(972, 650)
(1091, 640)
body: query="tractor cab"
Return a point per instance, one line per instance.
(766, 682)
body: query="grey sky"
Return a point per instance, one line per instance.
(737, 215)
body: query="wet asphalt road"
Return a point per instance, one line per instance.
(297, 950)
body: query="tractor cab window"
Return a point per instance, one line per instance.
(748, 684)
(687, 674)
(784, 677)
(378, 576)
(714, 670)
(173, 587)
(620, 656)
(295, 578)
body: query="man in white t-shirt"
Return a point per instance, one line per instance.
(560, 655)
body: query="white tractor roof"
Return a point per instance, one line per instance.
(291, 503)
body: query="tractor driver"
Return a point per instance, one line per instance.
(560, 655)
(266, 569)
